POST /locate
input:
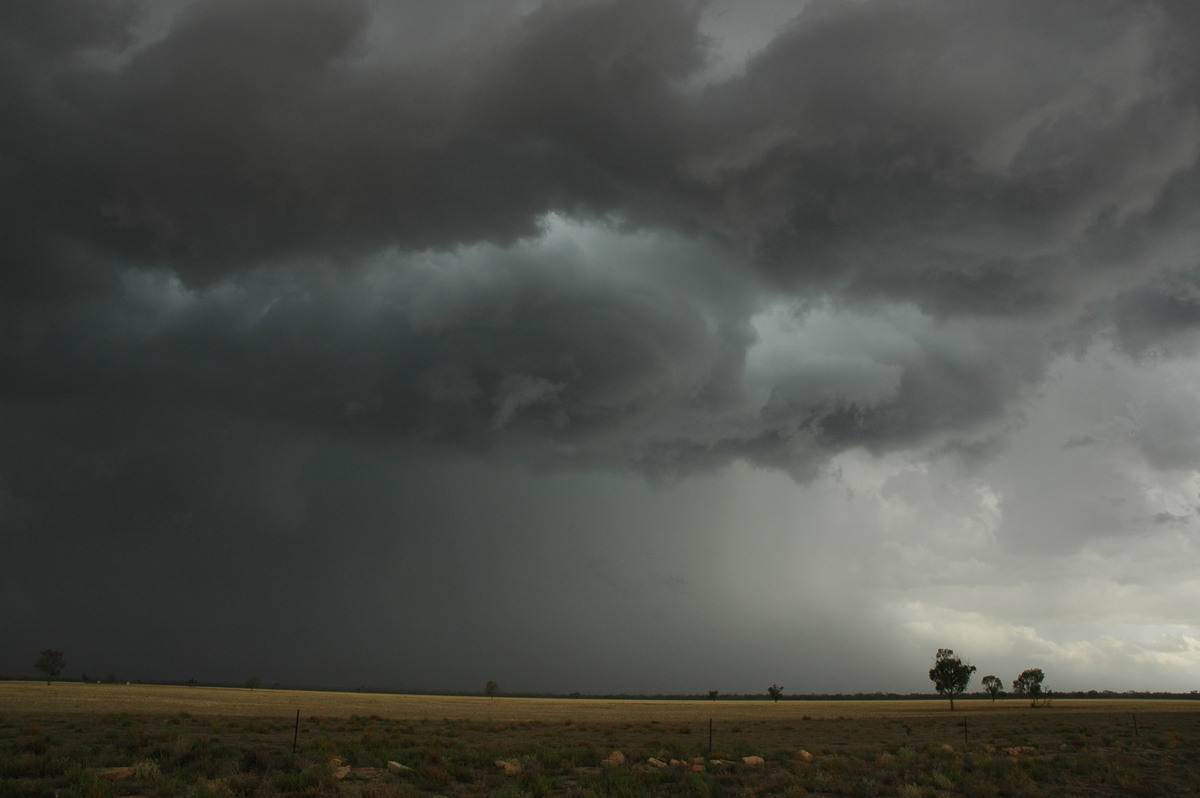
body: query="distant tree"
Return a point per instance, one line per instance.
(490, 689)
(712, 694)
(1029, 683)
(111, 678)
(992, 686)
(191, 682)
(253, 682)
(949, 674)
(83, 677)
(776, 692)
(51, 664)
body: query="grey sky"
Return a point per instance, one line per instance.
(602, 345)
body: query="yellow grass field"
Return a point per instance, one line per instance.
(76, 697)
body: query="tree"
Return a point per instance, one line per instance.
(1029, 683)
(253, 682)
(949, 674)
(51, 664)
(776, 692)
(993, 686)
(490, 689)
(712, 695)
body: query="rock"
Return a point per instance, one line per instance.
(615, 759)
(678, 763)
(655, 762)
(753, 761)
(342, 772)
(947, 748)
(396, 767)
(697, 768)
(698, 760)
(509, 768)
(116, 774)
(804, 756)
(1017, 750)
(336, 762)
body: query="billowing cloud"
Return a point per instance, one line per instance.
(885, 157)
(922, 272)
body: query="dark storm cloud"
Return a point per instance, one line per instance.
(528, 357)
(965, 158)
(961, 156)
(249, 132)
(226, 207)
(269, 270)
(1161, 315)
(50, 30)
(1014, 161)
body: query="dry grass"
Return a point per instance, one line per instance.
(205, 742)
(69, 697)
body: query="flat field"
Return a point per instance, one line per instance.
(122, 740)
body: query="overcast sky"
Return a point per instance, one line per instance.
(601, 345)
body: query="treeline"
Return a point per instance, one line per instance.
(1131, 694)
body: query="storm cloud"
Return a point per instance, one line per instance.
(509, 290)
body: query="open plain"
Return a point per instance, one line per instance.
(77, 739)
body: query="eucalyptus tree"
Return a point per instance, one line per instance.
(992, 686)
(949, 674)
(1030, 683)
